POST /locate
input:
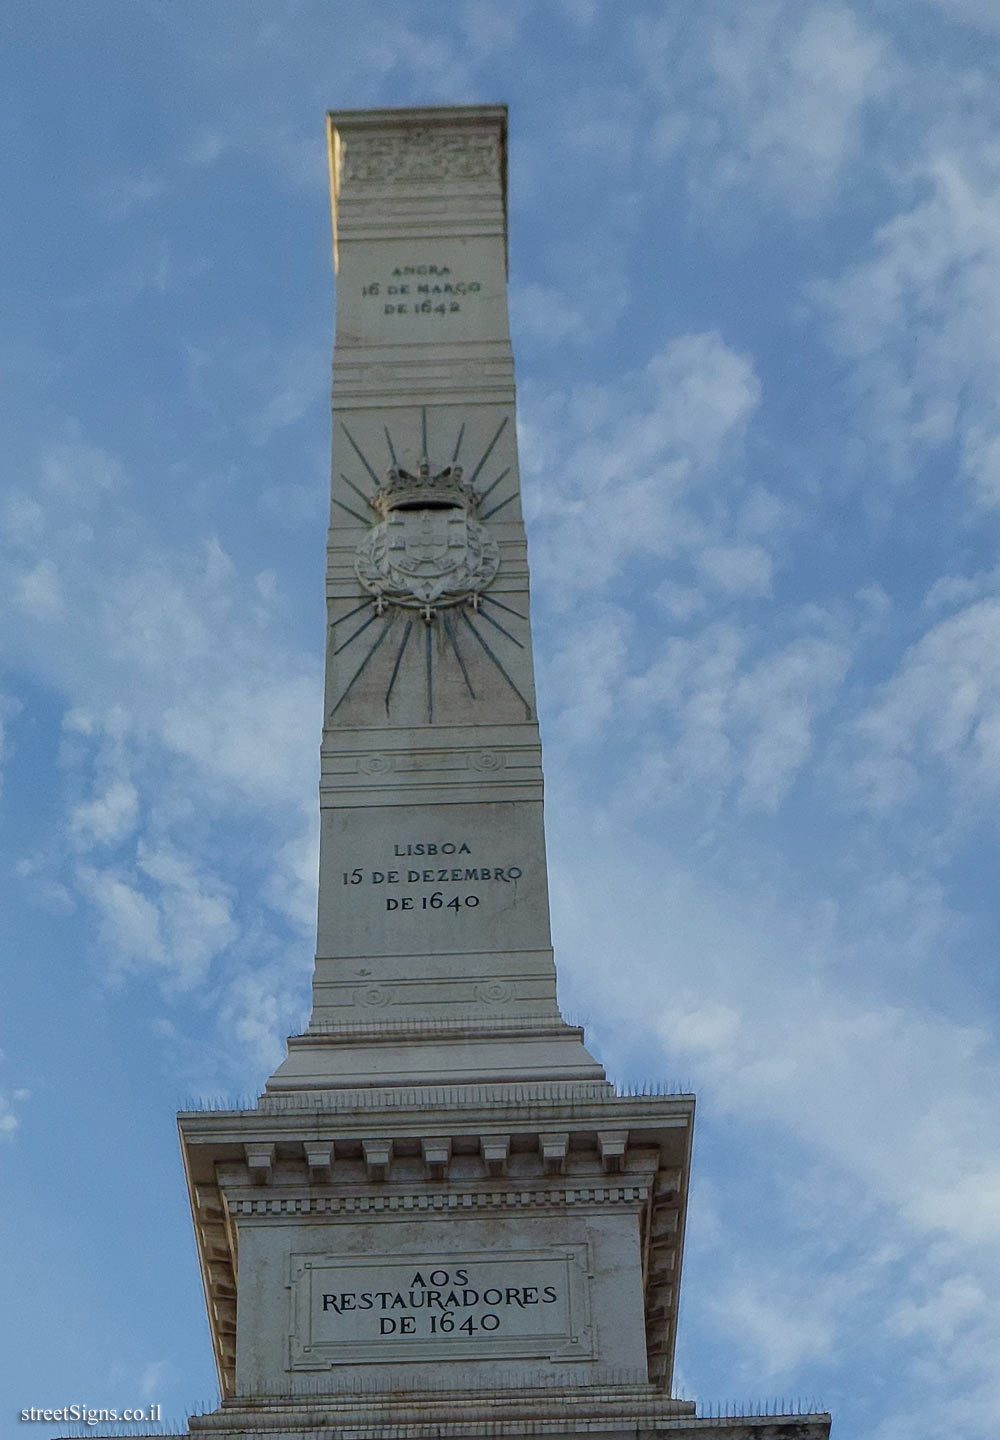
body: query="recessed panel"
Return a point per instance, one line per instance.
(455, 1307)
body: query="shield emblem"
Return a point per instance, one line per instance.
(428, 542)
(427, 555)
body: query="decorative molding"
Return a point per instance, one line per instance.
(482, 375)
(554, 1148)
(416, 1031)
(452, 772)
(437, 1154)
(376, 764)
(378, 1158)
(496, 1095)
(373, 997)
(662, 1239)
(372, 1206)
(319, 1158)
(494, 992)
(612, 1145)
(218, 1270)
(439, 761)
(495, 1150)
(419, 154)
(486, 760)
(260, 1160)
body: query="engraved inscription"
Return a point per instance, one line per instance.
(392, 877)
(420, 290)
(529, 1302)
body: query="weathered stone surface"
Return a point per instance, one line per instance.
(439, 1181)
(433, 887)
(439, 1219)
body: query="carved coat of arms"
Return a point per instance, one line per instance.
(427, 550)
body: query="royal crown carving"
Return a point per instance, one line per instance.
(405, 490)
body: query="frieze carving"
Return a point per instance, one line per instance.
(373, 1205)
(420, 154)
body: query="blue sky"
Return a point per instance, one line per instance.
(755, 291)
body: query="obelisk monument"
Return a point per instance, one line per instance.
(440, 1215)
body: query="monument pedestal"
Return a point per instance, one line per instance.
(412, 1239)
(439, 1219)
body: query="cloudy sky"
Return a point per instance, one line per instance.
(755, 290)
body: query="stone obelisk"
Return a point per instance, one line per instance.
(439, 1215)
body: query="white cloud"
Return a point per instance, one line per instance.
(620, 461)
(152, 1378)
(777, 102)
(23, 520)
(77, 471)
(261, 1008)
(920, 317)
(940, 709)
(291, 887)
(681, 601)
(981, 14)
(168, 915)
(289, 383)
(37, 591)
(741, 569)
(748, 987)
(796, 79)
(9, 708)
(728, 721)
(9, 1118)
(183, 701)
(250, 735)
(778, 1328)
(585, 676)
(542, 313)
(810, 1055)
(945, 1313)
(109, 817)
(782, 1008)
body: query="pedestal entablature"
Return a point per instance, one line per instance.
(532, 1204)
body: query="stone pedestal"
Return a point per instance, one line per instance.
(406, 1239)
